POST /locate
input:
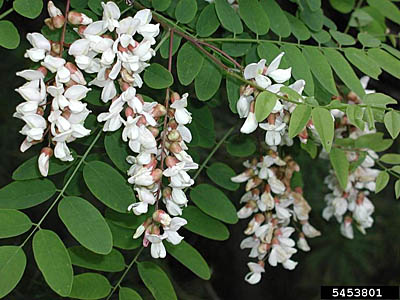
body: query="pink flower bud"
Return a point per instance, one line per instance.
(76, 74)
(174, 135)
(126, 76)
(158, 111)
(49, 23)
(154, 130)
(175, 147)
(58, 21)
(175, 96)
(77, 18)
(129, 112)
(156, 174)
(162, 217)
(167, 192)
(171, 161)
(44, 159)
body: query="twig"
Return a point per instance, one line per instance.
(64, 28)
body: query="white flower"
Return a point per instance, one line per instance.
(261, 74)
(250, 125)
(182, 115)
(346, 229)
(254, 276)
(309, 230)
(111, 14)
(34, 90)
(251, 242)
(113, 117)
(302, 244)
(243, 105)
(43, 161)
(157, 249)
(62, 152)
(274, 133)
(41, 46)
(56, 64)
(34, 127)
(170, 231)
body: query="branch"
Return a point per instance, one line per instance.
(64, 28)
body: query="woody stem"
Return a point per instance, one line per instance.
(64, 28)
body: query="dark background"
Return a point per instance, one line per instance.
(373, 259)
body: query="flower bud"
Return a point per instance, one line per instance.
(76, 74)
(174, 135)
(175, 147)
(154, 130)
(129, 112)
(167, 192)
(162, 217)
(49, 23)
(55, 48)
(58, 21)
(156, 174)
(175, 96)
(44, 159)
(159, 111)
(154, 229)
(77, 18)
(126, 76)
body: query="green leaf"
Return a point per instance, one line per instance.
(117, 150)
(127, 220)
(185, 11)
(254, 16)
(190, 258)
(13, 223)
(320, 68)
(95, 6)
(342, 38)
(221, 175)
(53, 261)
(26, 194)
(322, 36)
(128, 294)
(363, 62)
(241, 145)
(391, 158)
(278, 21)
(388, 62)
(373, 141)
(355, 115)
(161, 5)
(313, 19)
(228, 17)
(204, 225)
(30, 170)
(90, 286)
(397, 188)
(235, 49)
(157, 77)
(300, 68)
(12, 267)
(208, 22)
(207, 81)
(265, 103)
(94, 97)
(156, 280)
(9, 37)
(112, 262)
(28, 8)
(324, 125)
(164, 49)
(79, 3)
(233, 92)
(270, 51)
(299, 119)
(343, 6)
(368, 40)
(387, 9)
(189, 63)
(86, 224)
(299, 30)
(392, 123)
(378, 99)
(107, 185)
(214, 203)
(340, 165)
(122, 237)
(381, 181)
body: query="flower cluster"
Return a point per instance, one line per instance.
(64, 118)
(153, 147)
(115, 49)
(276, 126)
(273, 206)
(350, 205)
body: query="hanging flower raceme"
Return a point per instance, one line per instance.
(276, 211)
(115, 50)
(53, 108)
(272, 79)
(351, 206)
